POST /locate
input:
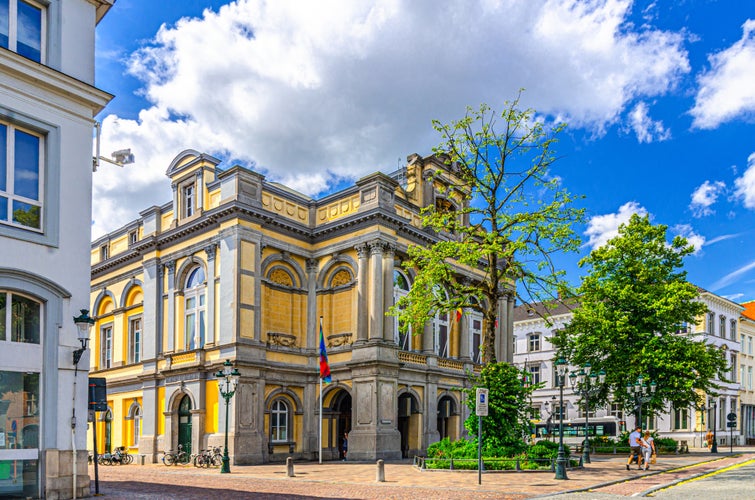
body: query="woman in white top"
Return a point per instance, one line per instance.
(648, 448)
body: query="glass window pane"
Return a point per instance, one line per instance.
(3, 150)
(26, 167)
(29, 35)
(3, 208)
(25, 320)
(26, 214)
(4, 18)
(3, 299)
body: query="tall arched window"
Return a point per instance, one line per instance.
(279, 413)
(195, 307)
(401, 289)
(136, 422)
(440, 330)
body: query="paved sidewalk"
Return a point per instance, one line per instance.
(606, 473)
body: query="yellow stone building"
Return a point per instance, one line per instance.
(238, 268)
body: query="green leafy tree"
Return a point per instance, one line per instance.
(508, 407)
(633, 301)
(513, 216)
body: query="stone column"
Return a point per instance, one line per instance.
(428, 340)
(312, 304)
(171, 327)
(210, 251)
(176, 206)
(389, 322)
(377, 311)
(200, 191)
(430, 423)
(362, 290)
(464, 347)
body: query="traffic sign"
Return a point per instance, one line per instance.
(731, 424)
(731, 417)
(481, 395)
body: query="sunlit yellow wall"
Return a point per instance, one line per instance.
(160, 410)
(211, 406)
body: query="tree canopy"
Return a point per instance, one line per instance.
(635, 303)
(512, 218)
(509, 398)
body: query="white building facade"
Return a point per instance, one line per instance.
(534, 353)
(746, 373)
(47, 105)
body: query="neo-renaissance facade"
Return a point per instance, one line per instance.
(47, 107)
(238, 268)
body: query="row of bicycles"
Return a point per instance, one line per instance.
(118, 457)
(205, 458)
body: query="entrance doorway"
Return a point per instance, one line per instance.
(446, 410)
(184, 424)
(342, 412)
(407, 406)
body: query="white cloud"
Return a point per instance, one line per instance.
(732, 276)
(316, 92)
(704, 196)
(694, 239)
(726, 90)
(602, 228)
(744, 187)
(644, 127)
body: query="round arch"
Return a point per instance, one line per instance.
(269, 261)
(131, 287)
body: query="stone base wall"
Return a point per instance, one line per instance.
(58, 481)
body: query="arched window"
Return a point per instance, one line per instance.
(279, 421)
(440, 330)
(195, 307)
(401, 289)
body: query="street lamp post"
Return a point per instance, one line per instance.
(640, 393)
(714, 445)
(228, 379)
(561, 458)
(585, 383)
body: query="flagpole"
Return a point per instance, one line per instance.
(320, 377)
(320, 454)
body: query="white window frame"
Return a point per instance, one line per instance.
(722, 326)
(280, 421)
(13, 28)
(198, 312)
(535, 374)
(679, 415)
(136, 424)
(7, 323)
(439, 323)
(188, 195)
(474, 332)
(106, 346)
(534, 342)
(135, 339)
(8, 195)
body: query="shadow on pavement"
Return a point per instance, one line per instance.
(138, 490)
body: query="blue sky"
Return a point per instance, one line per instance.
(659, 98)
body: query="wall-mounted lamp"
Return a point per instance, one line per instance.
(120, 158)
(83, 324)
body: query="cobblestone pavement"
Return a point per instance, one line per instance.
(605, 477)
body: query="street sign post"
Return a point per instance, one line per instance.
(481, 410)
(731, 424)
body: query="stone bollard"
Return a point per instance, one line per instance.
(290, 467)
(380, 477)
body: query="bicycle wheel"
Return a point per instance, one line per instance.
(169, 459)
(217, 460)
(127, 459)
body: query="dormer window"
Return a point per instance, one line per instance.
(189, 200)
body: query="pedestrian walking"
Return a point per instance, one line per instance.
(709, 439)
(648, 448)
(635, 447)
(345, 445)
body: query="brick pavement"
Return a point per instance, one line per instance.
(403, 481)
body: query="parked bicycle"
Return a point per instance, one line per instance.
(122, 456)
(208, 458)
(176, 457)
